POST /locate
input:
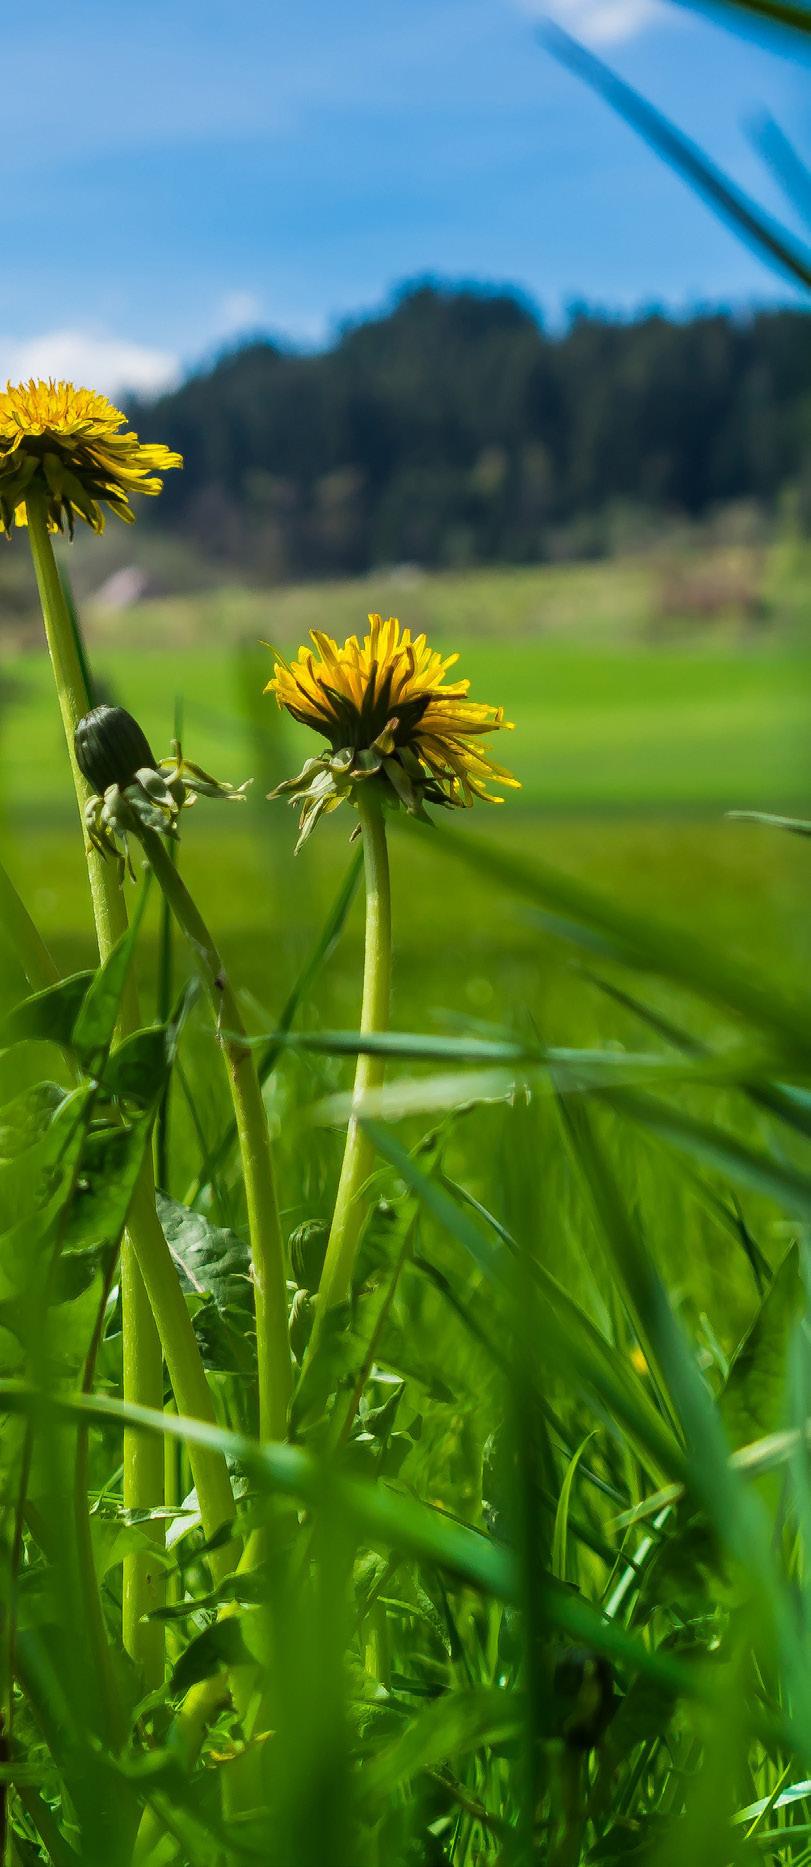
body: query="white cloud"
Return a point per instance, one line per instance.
(238, 312)
(92, 359)
(598, 22)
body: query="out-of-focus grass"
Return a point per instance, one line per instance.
(596, 729)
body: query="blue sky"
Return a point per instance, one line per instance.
(187, 171)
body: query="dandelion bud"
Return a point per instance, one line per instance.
(302, 1316)
(132, 792)
(308, 1249)
(111, 748)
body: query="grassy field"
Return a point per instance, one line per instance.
(473, 1628)
(630, 747)
(629, 752)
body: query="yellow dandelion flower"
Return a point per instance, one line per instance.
(387, 710)
(65, 445)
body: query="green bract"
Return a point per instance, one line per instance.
(323, 783)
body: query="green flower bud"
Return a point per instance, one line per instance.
(308, 1249)
(302, 1316)
(111, 748)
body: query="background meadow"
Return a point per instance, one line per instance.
(633, 740)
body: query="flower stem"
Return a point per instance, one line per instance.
(358, 1161)
(264, 1228)
(147, 1271)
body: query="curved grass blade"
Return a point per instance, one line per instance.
(773, 242)
(738, 1518)
(796, 826)
(773, 12)
(785, 162)
(783, 1100)
(560, 1533)
(632, 939)
(580, 1346)
(776, 1179)
(637, 1278)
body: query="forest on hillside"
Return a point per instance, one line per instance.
(455, 429)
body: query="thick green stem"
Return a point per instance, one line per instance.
(146, 1260)
(143, 1367)
(186, 1372)
(270, 1294)
(264, 1228)
(358, 1161)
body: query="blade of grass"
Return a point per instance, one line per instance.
(772, 241)
(775, 1179)
(582, 1348)
(714, 1481)
(772, 12)
(672, 952)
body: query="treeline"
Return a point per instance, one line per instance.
(455, 429)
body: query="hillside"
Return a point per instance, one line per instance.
(456, 430)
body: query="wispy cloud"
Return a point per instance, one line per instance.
(598, 22)
(238, 312)
(94, 359)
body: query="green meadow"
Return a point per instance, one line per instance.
(631, 750)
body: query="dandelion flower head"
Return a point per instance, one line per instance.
(65, 446)
(388, 712)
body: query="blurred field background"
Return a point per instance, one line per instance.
(635, 733)
(609, 522)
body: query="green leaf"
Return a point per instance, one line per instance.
(788, 1104)
(47, 1016)
(218, 1648)
(249, 1588)
(137, 1070)
(755, 1388)
(380, 1514)
(25, 1119)
(34, 1187)
(629, 1262)
(98, 1014)
(214, 1265)
(111, 1161)
(456, 1724)
(212, 1261)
